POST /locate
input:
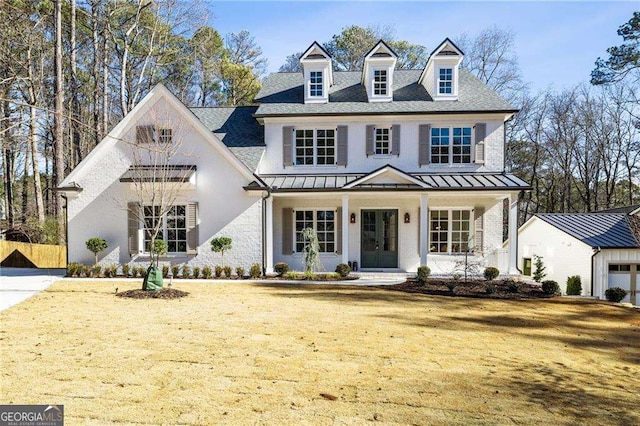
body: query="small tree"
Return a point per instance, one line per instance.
(538, 273)
(96, 245)
(311, 250)
(220, 245)
(574, 286)
(159, 249)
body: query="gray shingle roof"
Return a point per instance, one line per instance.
(238, 130)
(333, 182)
(626, 209)
(283, 94)
(604, 230)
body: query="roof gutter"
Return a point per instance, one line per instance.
(339, 114)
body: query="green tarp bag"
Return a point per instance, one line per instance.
(152, 279)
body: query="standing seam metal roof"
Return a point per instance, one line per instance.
(604, 230)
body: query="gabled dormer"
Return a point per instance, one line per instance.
(318, 74)
(377, 73)
(440, 75)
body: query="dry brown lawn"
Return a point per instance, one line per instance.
(264, 353)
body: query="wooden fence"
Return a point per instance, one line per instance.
(25, 255)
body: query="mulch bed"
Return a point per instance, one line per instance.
(497, 289)
(165, 293)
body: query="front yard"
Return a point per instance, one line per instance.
(307, 354)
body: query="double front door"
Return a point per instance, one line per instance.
(379, 239)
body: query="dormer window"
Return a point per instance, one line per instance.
(380, 82)
(445, 81)
(315, 84)
(317, 74)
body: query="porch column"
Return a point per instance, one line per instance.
(268, 235)
(345, 229)
(424, 229)
(513, 234)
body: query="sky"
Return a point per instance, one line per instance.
(557, 43)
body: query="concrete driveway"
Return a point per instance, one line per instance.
(18, 284)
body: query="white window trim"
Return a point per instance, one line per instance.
(315, 147)
(315, 226)
(450, 211)
(454, 82)
(162, 234)
(450, 163)
(375, 140)
(322, 85)
(373, 82)
(159, 133)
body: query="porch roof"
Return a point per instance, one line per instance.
(432, 182)
(172, 173)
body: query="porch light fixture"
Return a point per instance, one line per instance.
(407, 218)
(352, 218)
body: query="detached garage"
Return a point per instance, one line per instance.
(603, 248)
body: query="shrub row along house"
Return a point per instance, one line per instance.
(393, 169)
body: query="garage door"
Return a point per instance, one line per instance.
(626, 276)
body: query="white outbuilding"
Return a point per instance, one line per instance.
(603, 248)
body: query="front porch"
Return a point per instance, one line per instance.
(393, 232)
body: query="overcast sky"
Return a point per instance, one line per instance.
(557, 42)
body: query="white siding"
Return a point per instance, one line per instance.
(601, 266)
(225, 209)
(562, 254)
(358, 162)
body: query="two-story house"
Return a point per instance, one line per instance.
(393, 169)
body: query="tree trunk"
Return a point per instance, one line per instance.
(95, 73)
(33, 141)
(58, 136)
(8, 156)
(75, 106)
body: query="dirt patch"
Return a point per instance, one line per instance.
(164, 293)
(497, 289)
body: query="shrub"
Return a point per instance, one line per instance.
(87, 271)
(165, 271)
(206, 272)
(550, 287)
(291, 275)
(140, 271)
(111, 270)
(240, 271)
(218, 271)
(73, 269)
(456, 276)
(220, 245)
(343, 269)
(96, 270)
(538, 273)
(615, 294)
(255, 271)
(125, 269)
(95, 245)
(281, 268)
(423, 274)
(227, 271)
(513, 287)
(489, 289)
(175, 270)
(491, 273)
(186, 271)
(574, 286)
(451, 285)
(308, 275)
(196, 272)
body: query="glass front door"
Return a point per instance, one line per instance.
(379, 239)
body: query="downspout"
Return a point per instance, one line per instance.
(264, 231)
(66, 225)
(596, 250)
(517, 227)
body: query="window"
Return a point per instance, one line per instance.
(380, 82)
(323, 221)
(461, 145)
(439, 145)
(619, 268)
(526, 266)
(449, 231)
(315, 83)
(382, 141)
(173, 227)
(451, 145)
(315, 147)
(445, 81)
(165, 136)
